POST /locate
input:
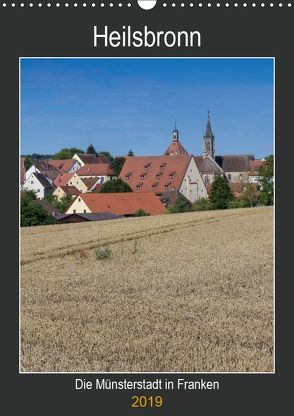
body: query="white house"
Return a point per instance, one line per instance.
(41, 166)
(38, 183)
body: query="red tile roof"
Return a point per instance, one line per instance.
(255, 165)
(176, 148)
(70, 190)
(88, 158)
(96, 169)
(123, 203)
(89, 182)
(63, 165)
(156, 174)
(62, 179)
(236, 188)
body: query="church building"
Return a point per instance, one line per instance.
(176, 147)
(237, 168)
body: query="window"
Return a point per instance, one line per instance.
(172, 175)
(79, 199)
(167, 185)
(241, 177)
(147, 166)
(128, 175)
(84, 211)
(229, 176)
(139, 186)
(162, 166)
(143, 176)
(38, 190)
(32, 182)
(74, 211)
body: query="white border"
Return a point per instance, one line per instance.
(274, 153)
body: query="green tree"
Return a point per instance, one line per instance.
(266, 182)
(202, 204)
(31, 212)
(117, 165)
(107, 154)
(116, 185)
(220, 193)
(91, 150)
(61, 204)
(236, 203)
(182, 204)
(249, 195)
(28, 163)
(67, 153)
(266, 196)
(267, 169)
(130, 153)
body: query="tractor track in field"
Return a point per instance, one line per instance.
(71, 249)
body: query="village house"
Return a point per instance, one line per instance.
(41, 166)
(83, 185)
(162, 174)
(64, 165)
(38, 183)
(120, 203)
(62, 179)
(63, 191)
(254, 174)
(84, 158)
(101, 171)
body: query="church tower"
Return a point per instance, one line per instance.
(176, 147)
(208, 140)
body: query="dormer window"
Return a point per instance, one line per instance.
(143, 175)
(162, 166)
(128, 175)
(167, 185)
(139, 186)
(147, 166)
(154, 186)
(172, 175)
(158, 175)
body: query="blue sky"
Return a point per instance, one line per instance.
(122, 104)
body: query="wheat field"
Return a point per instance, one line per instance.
(180, 293)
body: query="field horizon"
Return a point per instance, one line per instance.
(188, 292)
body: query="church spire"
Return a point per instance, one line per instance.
(208, 132)
(208, 140)
(176, 147)
(176, 134)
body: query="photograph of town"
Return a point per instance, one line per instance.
(146, 215)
